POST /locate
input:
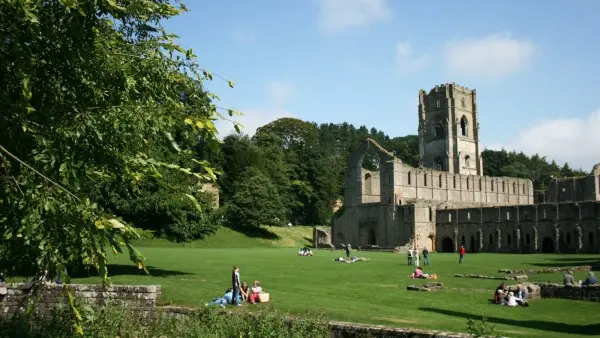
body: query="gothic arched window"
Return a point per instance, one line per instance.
(463, 126)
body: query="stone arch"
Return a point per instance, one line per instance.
(447, 244)
(354, 184)
(472, 244)
(464, 125)
(432, 241)
(547, 245)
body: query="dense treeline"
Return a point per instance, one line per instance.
(302, 165)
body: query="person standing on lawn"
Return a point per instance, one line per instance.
(461, 252)
(235, 283)
(426, 256)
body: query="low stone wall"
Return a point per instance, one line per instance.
(520, 278)
(53, 296)
(344, 330)
(584, 292)
(376, 248)
(547, 270)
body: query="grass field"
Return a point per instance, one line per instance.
(366, 292)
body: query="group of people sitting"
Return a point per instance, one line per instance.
(350, 260)
(418, 274)
(305, 252)
(503, 296)
(250, 295)
(568, 279)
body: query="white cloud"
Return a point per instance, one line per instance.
(406, 62)
(571, 140)
(278, 94)
(338, 15)
(242, 36)
(493, 56)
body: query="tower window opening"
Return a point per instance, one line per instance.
(425, 179)
(438, 130)
(409, 178)
(454, 182)
(440, 181)
(467, 161)
(463, 126)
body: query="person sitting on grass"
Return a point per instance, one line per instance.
(511, 300)
(305, 252)
(568, 279)
(500, 294)
(245, 292)
(418, 274)
(256, 291)
(521, 296)
(590, 280)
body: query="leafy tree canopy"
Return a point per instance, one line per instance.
(96, 99)
(256, 202)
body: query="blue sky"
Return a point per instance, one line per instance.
(535, 67)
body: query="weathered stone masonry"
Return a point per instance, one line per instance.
(52, 296)
(447, 202)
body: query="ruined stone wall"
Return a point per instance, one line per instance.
(371, 224)
(428, 184)
(371, 187)
(322, 237)
(563, 227)
(574, 189)
(52, 296)
(585, 292)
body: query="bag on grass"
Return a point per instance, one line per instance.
(263, 297)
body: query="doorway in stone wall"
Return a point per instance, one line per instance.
(548, 245)
(372, 240)
(447, 245)
(472, 246)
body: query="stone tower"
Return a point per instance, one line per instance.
(449, 130)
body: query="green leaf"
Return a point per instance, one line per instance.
(116, 224)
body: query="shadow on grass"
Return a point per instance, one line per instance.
(263, 233)
(131, 270)
(567, 262)
(587, 330)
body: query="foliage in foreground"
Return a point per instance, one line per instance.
(206, 322)
(97, 97)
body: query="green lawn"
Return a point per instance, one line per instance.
(367, 292)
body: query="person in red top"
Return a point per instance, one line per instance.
(461, 251)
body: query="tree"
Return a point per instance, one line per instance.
(256, 202)
(93, 94)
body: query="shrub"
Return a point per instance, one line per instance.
(205, 322)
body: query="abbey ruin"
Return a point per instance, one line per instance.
(447, 202)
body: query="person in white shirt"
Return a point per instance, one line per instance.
(410, 256)
(512, 300)
(416, 254)
(256, 291)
